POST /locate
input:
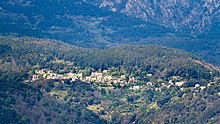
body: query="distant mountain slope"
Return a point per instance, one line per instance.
(195, 17)
(75, 22)
(84, 24)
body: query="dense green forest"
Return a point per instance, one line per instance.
(24, 100)
(21, 103)
(204, 48)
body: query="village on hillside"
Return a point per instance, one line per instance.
(106, 79)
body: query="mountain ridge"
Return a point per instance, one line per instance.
(76, 22)
(193, 17)
(86, 25)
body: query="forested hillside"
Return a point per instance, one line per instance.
(21, 103)
(204, 48)
(124, 84)
(149, 57)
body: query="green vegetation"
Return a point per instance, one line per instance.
(22, 103)
(164, 85)
(49, 81)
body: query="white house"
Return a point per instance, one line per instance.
(180, 83)
(105, 71)
(135, 87)
(35, 77)
(149, 75)
(197, 86)
(107, 78)
(123, 76)
(202, 87)
(149, 84)
(171, 82)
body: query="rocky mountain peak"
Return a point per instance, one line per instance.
(187, 16)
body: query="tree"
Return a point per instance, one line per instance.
(103, 91)
(102, 112)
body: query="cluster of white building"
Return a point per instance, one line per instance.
(98, 77)
(181, 83)
(104, 77)
(50, 75)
